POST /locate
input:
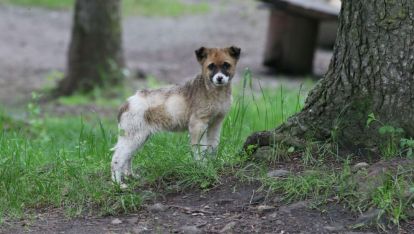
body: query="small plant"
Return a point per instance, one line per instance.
(52, 78)
(315, 184)
(34, 111)
(392, 136)
(407, 146)
(390, 197)
(307, 157)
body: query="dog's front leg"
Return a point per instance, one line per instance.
(213, 134)
(198, 134)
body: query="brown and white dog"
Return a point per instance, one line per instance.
(199, 105)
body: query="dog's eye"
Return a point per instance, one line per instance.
(211, 66)
(226, 65)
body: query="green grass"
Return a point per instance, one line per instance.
(163, 7)
(98, 97)
(50, 4)
(390, 197)
(50, 162)
(130, 7)
(64, 162)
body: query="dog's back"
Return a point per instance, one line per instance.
(158, 109)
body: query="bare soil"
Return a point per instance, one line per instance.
(232, 207)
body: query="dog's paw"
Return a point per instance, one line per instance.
(204, 155)
(200, 156)
(123, 186)
(131, 175)
(201, 152)
(116, 176)
(212, 151)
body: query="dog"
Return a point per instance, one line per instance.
(198, 106)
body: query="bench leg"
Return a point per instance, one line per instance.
(291, 41)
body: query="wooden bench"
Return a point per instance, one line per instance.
(292, 33)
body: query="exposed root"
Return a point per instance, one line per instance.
(271, 138)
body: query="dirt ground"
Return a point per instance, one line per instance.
(231, 207)
(238, 207)
(33, 43)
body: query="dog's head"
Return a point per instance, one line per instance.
(218, 65)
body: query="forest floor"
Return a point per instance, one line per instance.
(232, 207)
(33, 50)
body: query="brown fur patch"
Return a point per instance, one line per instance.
(143, 92)
(122, 109)
(166, 92)
(158, 116)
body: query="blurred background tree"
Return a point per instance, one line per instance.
(95, 54)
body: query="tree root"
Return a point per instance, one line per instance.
(271, 138)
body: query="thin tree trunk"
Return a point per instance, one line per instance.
(95, 54)
(372, 71)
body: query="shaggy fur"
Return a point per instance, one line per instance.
(198, 106)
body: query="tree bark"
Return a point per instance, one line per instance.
(372, 71)
(95, 54)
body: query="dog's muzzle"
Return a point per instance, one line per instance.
(220, 79)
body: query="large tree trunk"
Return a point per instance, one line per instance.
(372, 71)
(95, 53)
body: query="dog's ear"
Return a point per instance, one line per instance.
(201, 54)
(234, 52)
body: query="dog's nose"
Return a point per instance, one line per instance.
(219, 79)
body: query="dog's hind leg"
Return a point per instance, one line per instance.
(124, 151)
